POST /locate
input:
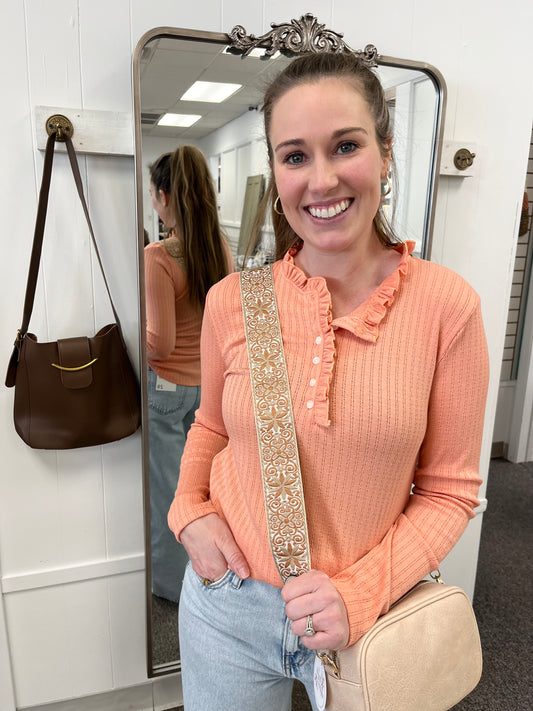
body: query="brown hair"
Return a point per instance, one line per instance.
(185, 176)
(311, 68)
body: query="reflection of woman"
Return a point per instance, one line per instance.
(387, 365)
(179, 272)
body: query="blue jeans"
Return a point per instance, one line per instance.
(236, 646)
(170, 415)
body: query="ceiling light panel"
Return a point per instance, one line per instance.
(178, 119)
(213, 92)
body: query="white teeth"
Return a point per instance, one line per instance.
(325, 213)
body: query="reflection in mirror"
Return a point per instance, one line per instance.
(167, 63)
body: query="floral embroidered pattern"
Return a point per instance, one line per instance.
(276, 435)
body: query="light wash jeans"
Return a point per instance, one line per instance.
(170, 415)
(236, 647)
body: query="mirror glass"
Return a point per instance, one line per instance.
(166, 64)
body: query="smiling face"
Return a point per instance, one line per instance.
(327, 164)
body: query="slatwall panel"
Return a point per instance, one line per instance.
(521, 279)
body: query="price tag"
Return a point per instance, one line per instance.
(162, 384)
(320, 685)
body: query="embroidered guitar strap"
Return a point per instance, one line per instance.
(276, 435)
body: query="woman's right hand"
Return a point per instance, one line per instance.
(212, 548)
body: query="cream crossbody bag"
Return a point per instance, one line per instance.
(424, 654)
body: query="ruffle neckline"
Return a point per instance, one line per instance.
(364, 322)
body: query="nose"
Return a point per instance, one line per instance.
(323, 176)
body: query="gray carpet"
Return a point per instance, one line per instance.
(503, 599)
(165, 646)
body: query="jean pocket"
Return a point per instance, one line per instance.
(215, 584)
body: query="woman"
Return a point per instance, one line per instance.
(178, 272)
(387, 365)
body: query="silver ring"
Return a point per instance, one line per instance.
(309, 629)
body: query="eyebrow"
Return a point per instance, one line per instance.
(336, 134)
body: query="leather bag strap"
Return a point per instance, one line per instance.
(38, 236)
(79, 186)
(40, 223)
(276, 435)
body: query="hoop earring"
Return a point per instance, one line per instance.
(389, 187)
(278, 212)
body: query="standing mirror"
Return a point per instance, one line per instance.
(166, 63)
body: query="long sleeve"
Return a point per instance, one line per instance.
(445, 488)
(207, 437)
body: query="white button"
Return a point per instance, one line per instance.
(310, 404)
(316, 360)
(312, 382)
(318, 339)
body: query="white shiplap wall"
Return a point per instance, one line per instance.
(71, 532)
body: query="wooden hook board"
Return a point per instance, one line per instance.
(101, 132)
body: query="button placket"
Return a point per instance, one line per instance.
(316, 360)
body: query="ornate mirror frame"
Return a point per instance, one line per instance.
(290, 39)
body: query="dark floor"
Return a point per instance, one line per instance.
(165, 647)
(503, 599)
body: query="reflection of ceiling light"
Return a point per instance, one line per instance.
(210, 91)
(257, 52)
(178, 119)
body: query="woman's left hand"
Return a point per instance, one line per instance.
(314, 594)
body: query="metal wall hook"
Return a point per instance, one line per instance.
(60, 125)
(463, 159)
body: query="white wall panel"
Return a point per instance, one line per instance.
(199, 15)
(105, 54)
(253, 16)
(128, 641)
(260, 157)
(243, 169)
(53, 53)
(59, 641)
(280, 11)
(65, 269)
(123, 497)
(27, 540)
(228, 186)
(109, 194)
(7, 693)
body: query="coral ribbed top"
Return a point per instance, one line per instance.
(173, 325)
(390, 396)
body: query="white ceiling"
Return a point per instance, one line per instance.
(170, 65)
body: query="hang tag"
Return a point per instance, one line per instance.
(320, 685)
(162, 384)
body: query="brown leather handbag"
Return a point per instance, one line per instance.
(74, 392)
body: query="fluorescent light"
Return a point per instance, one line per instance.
(211, 91)
(178, 120)
(257, 52)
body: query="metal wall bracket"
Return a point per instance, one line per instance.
(463, 159)
(457, 159)
(61, 125)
